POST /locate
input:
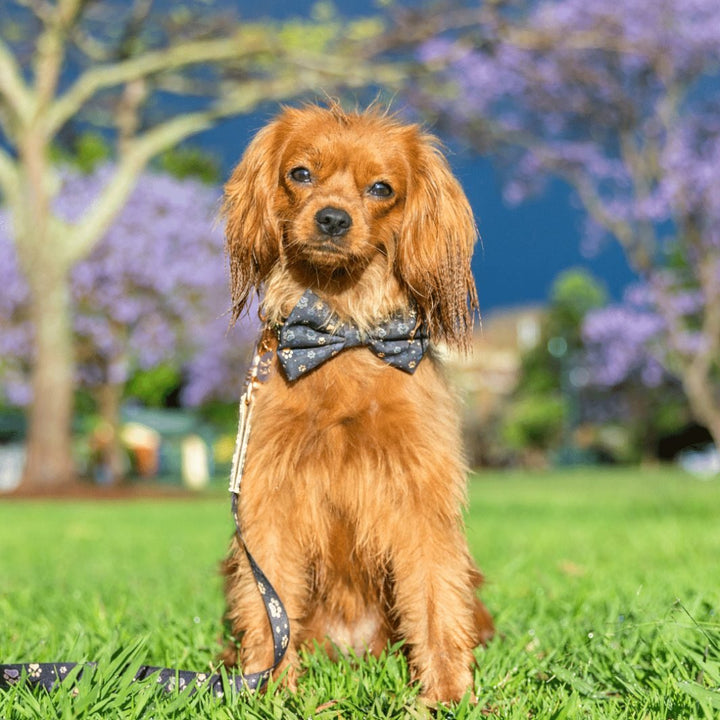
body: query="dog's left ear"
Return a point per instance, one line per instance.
(252, 229)
(436, 244)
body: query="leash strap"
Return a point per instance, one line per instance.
(258, 374)
(48, 675)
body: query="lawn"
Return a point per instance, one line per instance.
(604, 585)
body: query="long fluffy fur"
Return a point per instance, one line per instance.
(354, 482)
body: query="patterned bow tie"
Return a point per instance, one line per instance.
(313, 334)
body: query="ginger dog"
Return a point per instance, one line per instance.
(358, 239)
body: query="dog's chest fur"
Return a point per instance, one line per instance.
(355, 414)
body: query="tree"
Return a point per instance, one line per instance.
(152, 77)
(152, 292)
(621, 101)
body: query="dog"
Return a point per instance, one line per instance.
(357, 238)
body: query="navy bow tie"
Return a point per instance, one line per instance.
(313, 334)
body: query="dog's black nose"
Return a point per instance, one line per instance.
(333, 221)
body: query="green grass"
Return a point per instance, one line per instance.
(604, 586)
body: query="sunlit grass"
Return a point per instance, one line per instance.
(603, 585)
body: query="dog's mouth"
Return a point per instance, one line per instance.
(322, 250)
(317, 262)
(327, 257)
(324, 246)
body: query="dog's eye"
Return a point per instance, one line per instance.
(380, 189)
(301, 175)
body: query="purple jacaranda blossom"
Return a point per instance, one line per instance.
(622, 101)
(629, 341)
(592, 90)
(619, 342)
(154, 290)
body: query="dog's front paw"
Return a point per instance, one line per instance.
(229, 656)
(448, 687)
(287, 673)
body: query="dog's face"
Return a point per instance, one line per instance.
(341, 192)
(327, 191)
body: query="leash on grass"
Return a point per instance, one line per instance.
(48, 675)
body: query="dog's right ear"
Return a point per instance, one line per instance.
(252, 230)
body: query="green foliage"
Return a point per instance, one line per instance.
(153, 386)
(574, 293)
(90, 149)
(191, 162)
(323, 11)
(539, 372)
(539, 410)
(596, 617)
(365, 29)
(534, 421)
(328, 29)
(669, 412)
(85, 152)
(13, 424)
(220, 414)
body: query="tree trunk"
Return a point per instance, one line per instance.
(700, 391)
(49, 461)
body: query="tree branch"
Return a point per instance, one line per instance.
(349, 70)
(98, 77)
(596, 208)
(711, 317)
(698, 368)
(603, 39)
(50, 51)
(12, 86)
(139, 150)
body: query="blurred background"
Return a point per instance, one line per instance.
(586, 134)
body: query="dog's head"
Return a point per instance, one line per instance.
(330, 192)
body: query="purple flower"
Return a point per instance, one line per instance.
(622, 101)
(154, 290)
